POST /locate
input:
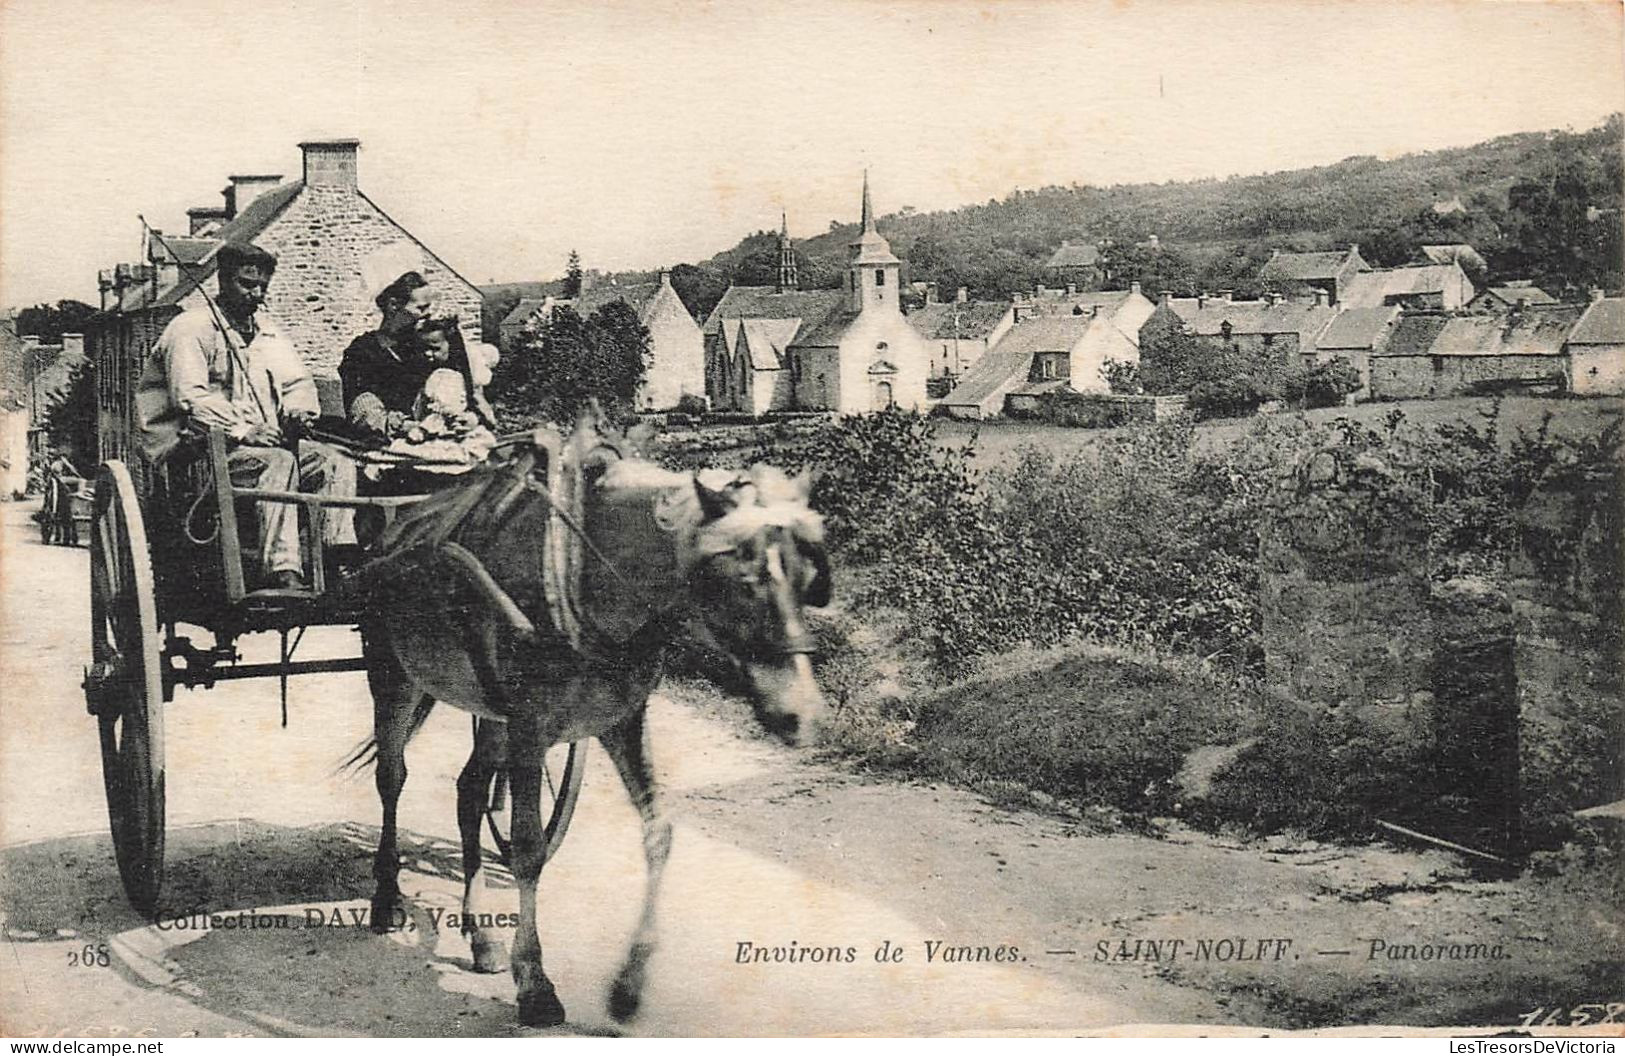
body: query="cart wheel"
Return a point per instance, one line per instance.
(124, 686)
(562, 771)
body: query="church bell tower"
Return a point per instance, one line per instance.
(788, 278)
(873, 273)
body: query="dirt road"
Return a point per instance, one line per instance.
(1006, 921)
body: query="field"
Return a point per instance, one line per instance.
(998, 442)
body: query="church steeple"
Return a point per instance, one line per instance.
(873, 273)
(788, 279)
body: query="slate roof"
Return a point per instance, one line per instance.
(1509, 295)
(1074, 255)
(1370, 288)
(1453, 252)
(1357, 328)
(246, 226)
(639, 295)
(186, 249)
(766, 302)
(767, 339)
(1014, 353)
(828, 331)
(1299, 267)
(1413, 335)
(527, 307)
(1535, 333)
(1260, 317)
(1602, 324)
(975, 319)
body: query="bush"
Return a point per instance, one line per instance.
(690, 404)
(1122, 377)
(1329, 382)
(1237, 396)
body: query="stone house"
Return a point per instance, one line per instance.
(1356, 335)
(1078, 263)
(1272, 331)
(1329, 271)
(1470, 259)
(677, 349)
(32, 375)
(1436, 286)
(335, 249)
(771, 348)
(960, 332)
(1057, 339)
(1596, 349)
(529, 310)
(1430, 355)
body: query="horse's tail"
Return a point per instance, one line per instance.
(365, 753)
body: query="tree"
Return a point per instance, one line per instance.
(572, 276)
(49, 322)
(555, 368)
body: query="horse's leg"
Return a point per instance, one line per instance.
(394, 706)
(539, 1004)
(627, 746)
(473, 793)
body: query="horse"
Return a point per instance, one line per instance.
(471, 613)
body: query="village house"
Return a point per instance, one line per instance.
(773, 348)
(1429, 355)
(1078, 263)
(335, 249)
(1471, 261)
(1355, 335)
(1512, 295)
(1596, 349)
(529, 311)
(1437, 286)
(1057, 339)
(32, 375)
(1272, 330)
(960, 332)
(676, 347)
(1329, 271)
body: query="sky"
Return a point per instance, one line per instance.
(503, 133)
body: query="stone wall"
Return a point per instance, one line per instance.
(1511, 677)
(327, 241)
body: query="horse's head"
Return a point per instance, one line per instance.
(758, 558)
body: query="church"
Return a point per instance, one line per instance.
(782, 348)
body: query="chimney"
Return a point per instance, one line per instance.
(1039, 290)
(1134, 287)
(104, 283)
(1521, 306)
(331, 163)
(1354, 248)
(1320, 297)
(1273, 297)
(1165, 298)
(1071, 289)
(961, 295)
(665, 276)
(1594, 294)
(1225, 295)
(1202, 297)
(204, 219)
(244, 189)
(73, 345)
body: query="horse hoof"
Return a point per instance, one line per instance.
(540, 1010)
(490, 955)
(624, 999)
